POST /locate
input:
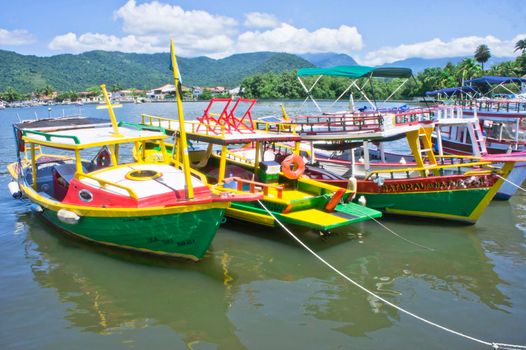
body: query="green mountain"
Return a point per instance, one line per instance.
(129, 70)
(329, 59)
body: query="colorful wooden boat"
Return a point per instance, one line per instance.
(137, 205)
(291, 198)
(435, 186)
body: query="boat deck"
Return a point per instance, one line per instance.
(170, 179)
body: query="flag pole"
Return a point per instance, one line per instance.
(182, 131)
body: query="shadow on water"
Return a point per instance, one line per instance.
(314, 239)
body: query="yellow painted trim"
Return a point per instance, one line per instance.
(222, 164)
(506, 169)
(431, 215)
(93, 144)
(104, 183)
(118, 212)
(256, 218)
(34, 166)
(258, 154)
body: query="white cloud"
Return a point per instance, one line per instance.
(158, 18)
(15, 37)
(287, 38)
(260, 20)
(437, 48)
(150, 25)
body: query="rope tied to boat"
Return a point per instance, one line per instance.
(394, 233)
(385, 301)
(511, 182)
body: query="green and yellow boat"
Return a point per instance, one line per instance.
(289, 197)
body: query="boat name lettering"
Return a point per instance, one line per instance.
(473, 182)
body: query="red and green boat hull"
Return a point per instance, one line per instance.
(456, 197)
(185, 234)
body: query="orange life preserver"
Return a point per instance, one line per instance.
(103, 159)
(293, 166)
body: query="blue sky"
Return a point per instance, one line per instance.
(373, 32)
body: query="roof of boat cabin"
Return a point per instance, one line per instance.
(488, 79)
(80, 133)
(356, 72)
(365, 135)
(52, 123)
(242, 137)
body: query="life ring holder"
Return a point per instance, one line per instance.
(142, 175)
(293, 166)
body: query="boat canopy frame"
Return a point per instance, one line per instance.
(449, 93)
(355, 73)
(494, 83)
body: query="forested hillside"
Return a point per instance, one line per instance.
(128, 70)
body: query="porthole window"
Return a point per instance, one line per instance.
(85, 196)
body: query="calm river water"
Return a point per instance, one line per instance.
(257, 288)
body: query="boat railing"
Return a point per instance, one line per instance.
(495, 105)
(190, 125)
(105, 183)
(426, 171)
(448, 113)
(166, 123)
(372, 121)
(254, 186)
(279, 127)
(344, 122)
(414, 116)
(234, 156)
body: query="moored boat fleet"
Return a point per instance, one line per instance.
(163, 185)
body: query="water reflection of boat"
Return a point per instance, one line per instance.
(248, 289)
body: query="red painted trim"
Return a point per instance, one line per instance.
(423, 184)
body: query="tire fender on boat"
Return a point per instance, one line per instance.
(293, 166)
(352, 185)
(14, 189)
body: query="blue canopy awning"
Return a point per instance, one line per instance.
(453, 91)
(496, 80)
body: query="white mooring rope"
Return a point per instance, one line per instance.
(480, 341)
(396, 234)
(511, 183)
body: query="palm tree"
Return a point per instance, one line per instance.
(10, 94)
(482, 55)
(521, 45)
(467, 69)
(48, 90)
